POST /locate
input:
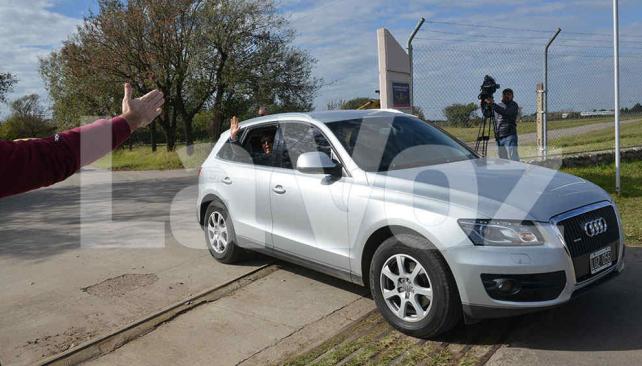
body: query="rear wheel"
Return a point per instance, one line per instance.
(219, 234)
(413, 287)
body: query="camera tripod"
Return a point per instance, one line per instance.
(483, 134)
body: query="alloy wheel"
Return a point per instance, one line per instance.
(406, 287)
(217, 232)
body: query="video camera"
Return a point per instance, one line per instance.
(487, 89)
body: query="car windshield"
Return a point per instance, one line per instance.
(378, 144)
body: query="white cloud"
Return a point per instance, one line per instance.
(340, 34)
(29, 30)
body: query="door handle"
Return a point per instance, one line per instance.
(227, 180)
(278, 189)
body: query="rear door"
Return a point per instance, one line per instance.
(244, 185)
(309, 211)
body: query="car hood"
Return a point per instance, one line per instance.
(495, 188)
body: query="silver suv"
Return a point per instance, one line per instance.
(383, 199)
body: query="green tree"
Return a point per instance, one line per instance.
(27, 119)
(219, 55)
(460, 115)
(76, 91)
(637, 108)
(419, 112)
(358, 102)
(354, 103)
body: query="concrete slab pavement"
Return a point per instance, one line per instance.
(259, 323)
(57, 293)
(600, 327)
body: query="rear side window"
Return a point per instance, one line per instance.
(298, 138)
(233, 151)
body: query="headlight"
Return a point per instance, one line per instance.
(501, 232)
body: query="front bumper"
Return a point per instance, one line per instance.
(488, 312)
(470, 263)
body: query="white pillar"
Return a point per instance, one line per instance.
(394, 72)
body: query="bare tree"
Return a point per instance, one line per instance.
(7, 82)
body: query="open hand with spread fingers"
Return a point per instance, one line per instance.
(140, 112)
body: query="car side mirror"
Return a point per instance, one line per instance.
(316, 162)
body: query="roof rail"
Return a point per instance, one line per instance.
(391, 110)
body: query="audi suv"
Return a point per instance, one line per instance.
(388, 201)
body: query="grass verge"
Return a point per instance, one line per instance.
(470, 133)
(629, 202)
(142, 158)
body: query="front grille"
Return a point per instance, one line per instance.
(581, 245)
(578, 242)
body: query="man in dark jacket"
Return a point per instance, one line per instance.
(506, 125)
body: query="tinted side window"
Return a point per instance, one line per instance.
(256, 147)
(299, 138)
(233, 151)
(259, 145)
(399, 142)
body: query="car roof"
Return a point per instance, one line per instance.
(327, 116)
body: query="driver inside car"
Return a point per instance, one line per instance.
(261, 157)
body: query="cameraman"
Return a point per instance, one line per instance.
(506, 125)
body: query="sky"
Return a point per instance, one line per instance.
(452, 55)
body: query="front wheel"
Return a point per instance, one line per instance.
(413, 287)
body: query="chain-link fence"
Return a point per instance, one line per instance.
(451, 59)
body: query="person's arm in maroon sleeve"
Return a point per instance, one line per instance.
(35, 163)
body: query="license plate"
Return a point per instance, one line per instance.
(600, 260)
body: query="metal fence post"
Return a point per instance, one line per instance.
(539, 109)
(412, 82)
(544, 146)
(616, 87)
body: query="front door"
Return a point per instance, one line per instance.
(309, 211)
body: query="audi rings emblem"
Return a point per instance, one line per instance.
(595, 227)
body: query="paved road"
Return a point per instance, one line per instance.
(57, 293)
(602, 327)
(531, 138)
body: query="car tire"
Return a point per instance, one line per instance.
(432, 288)
(219, 234)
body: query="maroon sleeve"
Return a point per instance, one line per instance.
(35, 163)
